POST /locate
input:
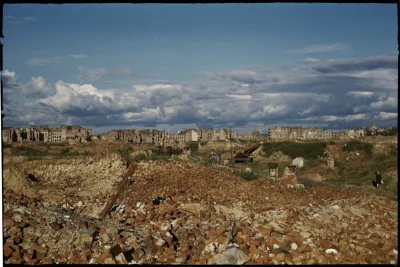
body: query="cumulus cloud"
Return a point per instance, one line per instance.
(386, 116)
(320, 48)
(37, 87)
(353, 93)
(390, 102)
(101, 73)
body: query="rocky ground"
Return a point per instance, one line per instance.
(178, 212)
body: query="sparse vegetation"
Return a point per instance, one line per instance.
(194, 147)
(49, 144)
(125, 154)
(28, 152)
(307, 150)
(65, 151)
(140, 157)
(247, 175)
(358, 175)
(6, 145)
(356, 145)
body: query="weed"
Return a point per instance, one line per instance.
(6, 145)
(247, 175)
(307, 150)
(65, 151)
(125, 154)
(47, 144)
(354, 145)
(140, 157)
(28, 152)
(194, 147)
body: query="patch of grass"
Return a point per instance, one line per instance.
(307, 150)
(65, 151)
(47, 144)
(312, 163)
(357, 175)
(248, 176)
(332, 142)
(194, 147)
(125, 154)
(6, 145)
(355, 145)
(169, 151)
(164, 157)
(27, 151)
(140, 157)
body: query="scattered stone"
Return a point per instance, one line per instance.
(231, 255)
(331, 250)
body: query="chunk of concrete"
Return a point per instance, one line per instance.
(231, 255)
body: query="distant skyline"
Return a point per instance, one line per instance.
(177, 66)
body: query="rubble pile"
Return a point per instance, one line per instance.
(188, 214)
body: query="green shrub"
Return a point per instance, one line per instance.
(140, 157)
(65, 151)
(248, 176)
(355, 145)
(194, 147)
(27, 151)
(169, 151)
(307, 150)
(332, 142)
(49, 144)
(6, 145)
(125, 154)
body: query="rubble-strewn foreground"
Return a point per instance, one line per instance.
(201, 216)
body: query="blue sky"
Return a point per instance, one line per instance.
(247, 65)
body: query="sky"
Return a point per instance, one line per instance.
(180, 66)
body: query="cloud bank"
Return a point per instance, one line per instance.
(343, 93)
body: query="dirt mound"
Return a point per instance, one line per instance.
(279, 157)
(14, 179)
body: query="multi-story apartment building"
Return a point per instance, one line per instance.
(44, 134)
(191, 135)
(7, 133)
(278, 133)
(324, 134)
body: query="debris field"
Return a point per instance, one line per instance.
(182, 213)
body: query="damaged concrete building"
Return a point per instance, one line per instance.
(281, 133)
(46, 134)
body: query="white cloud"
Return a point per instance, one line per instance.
(241, 97)
(346, 118)
(320, 48)
(310, 59)
(78, 56)
(10, 76)
(318, 92)
(101, 73)
(43, 61)
(38, 62)
(390, 102)
(271, 108)
(386, 116)
(360, 93)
